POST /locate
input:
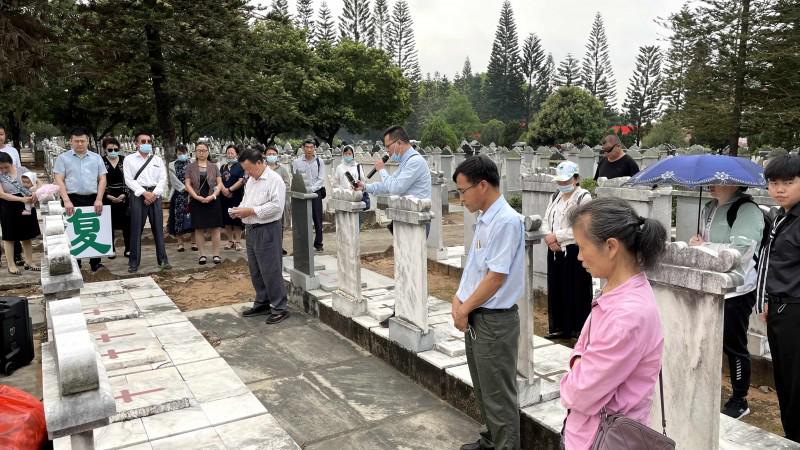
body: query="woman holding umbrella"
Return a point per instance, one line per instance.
(732, 219)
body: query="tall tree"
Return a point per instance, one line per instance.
(568, 72)
(544, 81)
(569, 115)
(280, 7)
(503, 76)
(645, 89)
(533, 61)
(355, 23)
(305, 17)
(380, 25)
(401, 45)
(324, 28)
(679, 56)
(597, 75)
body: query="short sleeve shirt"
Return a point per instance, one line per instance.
(623, 167)
(80, 173)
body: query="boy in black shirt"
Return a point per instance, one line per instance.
(778, 288)
(616, 163)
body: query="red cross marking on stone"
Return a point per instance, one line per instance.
(113, 354)
(106, 338)
(127, 396)
(97, 311)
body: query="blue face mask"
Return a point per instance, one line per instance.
(145, 148)
(566, 189)
(395, 157)
(272, 159)
(183, 157)
(113, 155)
(347, 159)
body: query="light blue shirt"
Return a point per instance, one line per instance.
(498, 245)
(314, 170)
(80, 173)
(412, 178)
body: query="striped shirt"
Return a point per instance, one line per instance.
(266, 195)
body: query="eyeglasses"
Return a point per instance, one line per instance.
(112, 149)
(147, 141)
(391, 143)
(461, 192)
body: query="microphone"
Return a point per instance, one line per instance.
(351, 179)
(372, 172)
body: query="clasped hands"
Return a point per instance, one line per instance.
(460, 315)
(552, 242)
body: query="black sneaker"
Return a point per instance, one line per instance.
(98, 267)
(257, 311)
(277, 317)
(736, 407)
(318, 248)
(133, 269)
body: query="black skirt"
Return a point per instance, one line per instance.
(206, 215)
(15, 226)
(232, 202)
(569, 291)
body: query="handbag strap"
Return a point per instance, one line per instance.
(141, 169)
(603, 411)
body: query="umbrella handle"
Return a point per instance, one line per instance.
(699, 209)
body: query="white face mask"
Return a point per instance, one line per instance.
(566, 189)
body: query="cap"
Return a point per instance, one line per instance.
(565, 171)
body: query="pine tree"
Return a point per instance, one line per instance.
(324, 28)
(533, 61)
(567, 74)
(355, 23)
(679, 56)
(380, 25)
(503, 76)
(400, 42)
(543, 86)
(597, 76)
(466, 71)
(280, 7)
(305, 17)
(645, 89)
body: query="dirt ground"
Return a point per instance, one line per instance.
(226, 284)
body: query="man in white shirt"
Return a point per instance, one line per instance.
(314, 170)
(146, 178)
(261, 211)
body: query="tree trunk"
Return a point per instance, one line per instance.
(738, 87)
(164, 103)
(14, 129)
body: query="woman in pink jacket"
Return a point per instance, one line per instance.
(616, 365)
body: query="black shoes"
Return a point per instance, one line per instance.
(736, 407)
(277, 317)
(556, 335)
(257, 311)
(318, 248)
(133, 269)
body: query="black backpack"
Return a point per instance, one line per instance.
(733, 211)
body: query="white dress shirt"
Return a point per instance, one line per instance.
(266, 195)
(314, 171)
(153, 175)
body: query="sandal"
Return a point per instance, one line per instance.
(194, 247)
(14, 272)
(181, 249)
(32, 268)
(202, 260)
(238, 247)
(216, 259)
(229, 246)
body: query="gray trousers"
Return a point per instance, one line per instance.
(491, 345)
(265, 260)
(139, 213)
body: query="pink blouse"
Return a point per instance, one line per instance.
(619, 368)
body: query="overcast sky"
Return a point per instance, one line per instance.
(448, 31)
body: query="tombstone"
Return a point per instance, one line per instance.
(649, 158)
(688, 204)
(634, 153)
(447, 169)
(528, 384)
(653, 203)
(513, 173)
(586, 161)
(469, 231)
(689, 286)
(697, 150)
(302, 272)
(409, 327)
(436, 249)
(347, 299)
(537, 191)
(527, 155)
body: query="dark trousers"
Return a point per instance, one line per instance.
(126, 235)
(783, 333)
(265, 261)
(85, 200)
(569, 292)
(734, 340)
(139, 213)
(316, 214)
(491, 346)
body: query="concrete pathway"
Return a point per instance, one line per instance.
(325, 390)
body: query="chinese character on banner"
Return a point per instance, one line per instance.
(90, 235)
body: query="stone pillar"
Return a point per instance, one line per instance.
(447, 172)
(409, 327)
(537, 190)
(513, 173)
(347, 298)
(690, 285)
(302, 274)
(527, 155)
(634, 153)
(435, 242)
(649, 158)
(469, 230)
(528, 384)
(652, 203)
(586, 160)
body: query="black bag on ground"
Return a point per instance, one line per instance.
(16, 334)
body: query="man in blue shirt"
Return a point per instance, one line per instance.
(485, 305)
(314, 170)
(81, 178)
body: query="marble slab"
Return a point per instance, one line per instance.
(234, 408)
(212, 380)
(175, 422)
(148, 393)
(411, 274)
(111, 311)
(260, 432)
(129, 349)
